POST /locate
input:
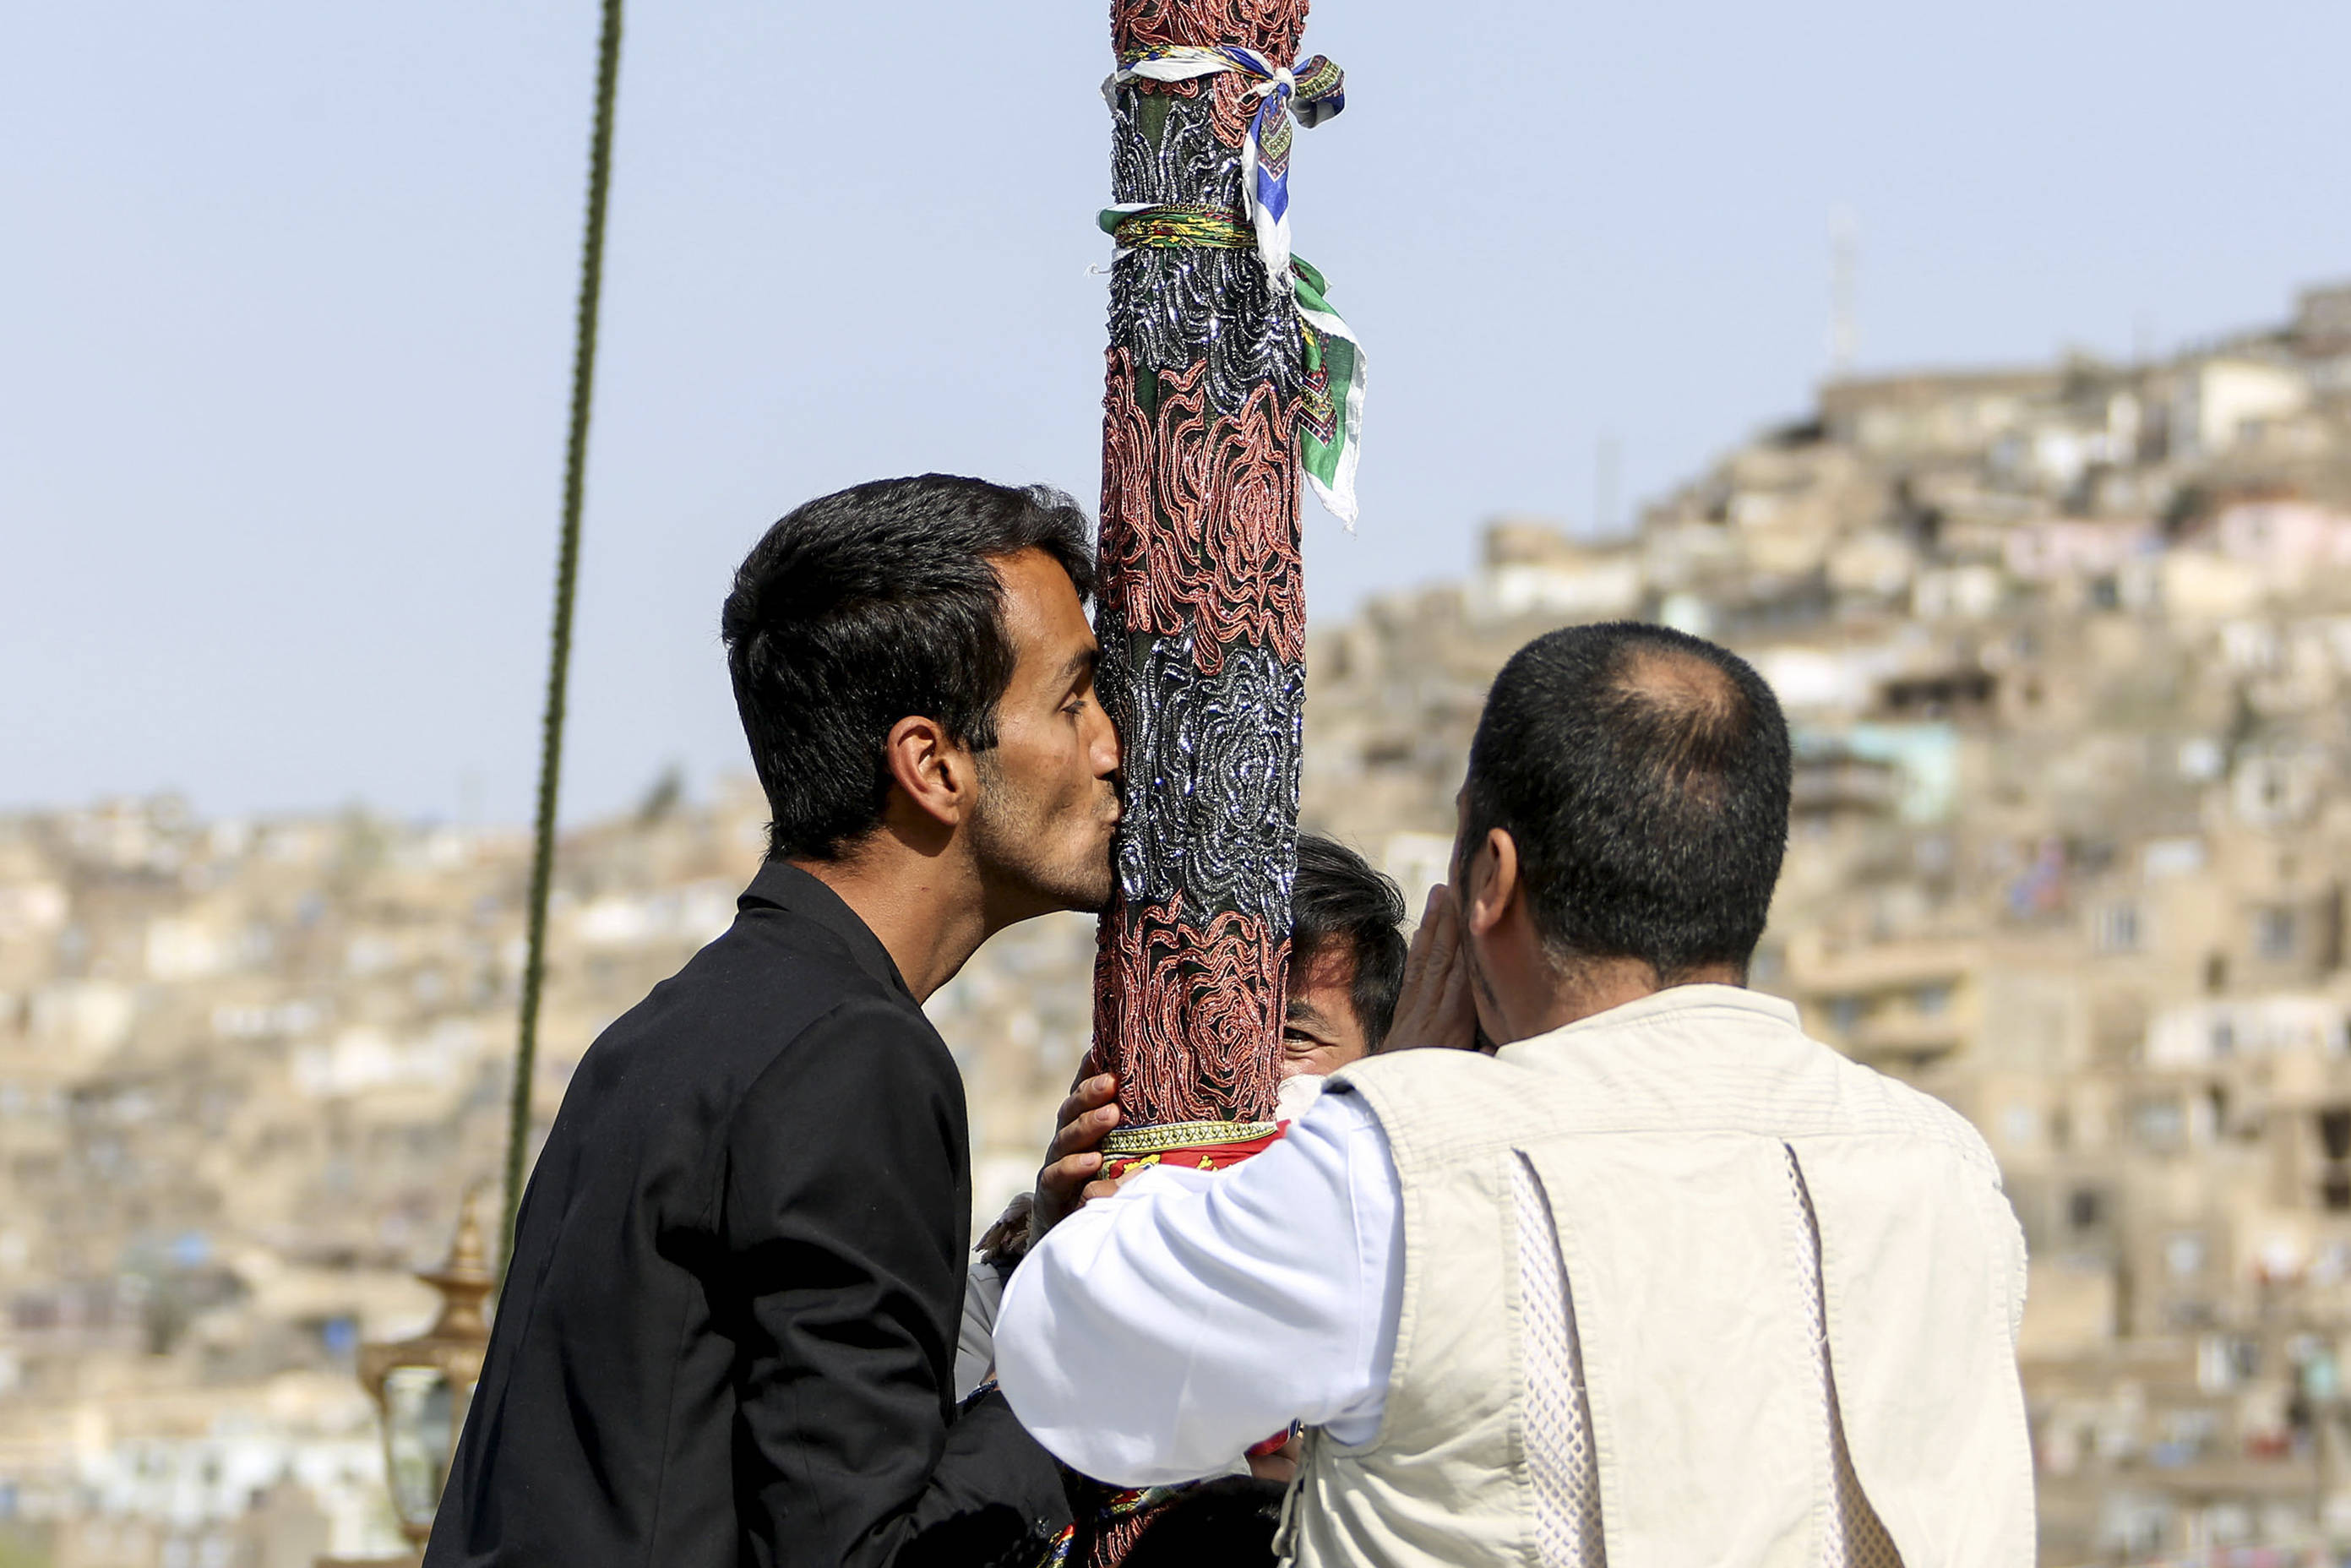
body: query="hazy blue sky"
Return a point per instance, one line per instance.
(286, 295)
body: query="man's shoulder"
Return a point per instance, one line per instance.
(1437, 1105)
(1394, 1070)
(1467, 1102)
(1417, 1074)
(771, 983)
(1878, 1104)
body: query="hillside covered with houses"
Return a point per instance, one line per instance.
(2066, 649)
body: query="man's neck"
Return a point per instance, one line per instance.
(1587, 988)
(916, 906)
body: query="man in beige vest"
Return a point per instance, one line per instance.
(1659, 1283)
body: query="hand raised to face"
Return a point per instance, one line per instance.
(1436, 1007)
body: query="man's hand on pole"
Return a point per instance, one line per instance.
(1436, 1009)
(1071, 1161)
(1437, 1006)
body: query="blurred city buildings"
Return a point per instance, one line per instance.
(2067, 652)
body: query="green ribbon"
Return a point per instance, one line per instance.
(1331, 412)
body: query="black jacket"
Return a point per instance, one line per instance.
(728, 1334)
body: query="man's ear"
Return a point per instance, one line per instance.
(939, 776)
(1492, 882)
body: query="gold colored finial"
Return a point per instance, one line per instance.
(422, 1386)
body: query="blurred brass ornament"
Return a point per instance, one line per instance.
(423, 1385)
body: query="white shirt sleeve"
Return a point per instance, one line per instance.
(1152, 1336)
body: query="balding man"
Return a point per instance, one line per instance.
(1660, 1282)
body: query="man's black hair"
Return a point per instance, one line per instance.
(1642, 774)
(866, 606)
(1338, 897)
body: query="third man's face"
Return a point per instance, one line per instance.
(1048, 793)
(1321, 1033)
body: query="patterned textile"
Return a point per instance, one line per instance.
(1202, 613)
(1329, 424)
(1108, 1521)
(1329, 427)
(1139, 225)
(1211, 398)
(1561, 1464)
(1314, 92)
(1331, 405)
(1202, 1146)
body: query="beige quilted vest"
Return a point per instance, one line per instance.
(1728, 1392)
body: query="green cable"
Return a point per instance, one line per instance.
(566, 576)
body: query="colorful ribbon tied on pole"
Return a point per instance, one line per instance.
(1315, 91)
(1331, 412)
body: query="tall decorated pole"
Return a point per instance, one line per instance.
(1228, 381)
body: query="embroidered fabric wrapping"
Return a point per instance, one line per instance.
(1176, 227)
(1329, 425)
(1312, 92)
(1105, 1513)
(1171, 1136)
(1200, 1146)
(1202, 614)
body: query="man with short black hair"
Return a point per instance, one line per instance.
(1659, 1280)
(728, 1328)
(1346, 938)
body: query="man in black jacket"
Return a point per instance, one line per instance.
(728, 1329)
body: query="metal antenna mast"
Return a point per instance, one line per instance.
(1845, 267)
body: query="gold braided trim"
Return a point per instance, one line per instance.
(1127, 1143)
(1182, 228)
